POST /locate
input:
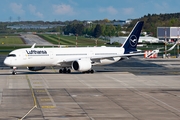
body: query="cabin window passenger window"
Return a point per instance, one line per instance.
(11, 55)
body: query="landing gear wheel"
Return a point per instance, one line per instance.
(92, 71)
(14, 73)
(60, 70)
(64, 70)
(68, 71)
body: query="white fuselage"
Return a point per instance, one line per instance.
(61, 56)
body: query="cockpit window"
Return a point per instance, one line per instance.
(11, 55)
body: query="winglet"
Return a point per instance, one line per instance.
(33, 45)
(173, 46)
(131, 42)
(157, 50)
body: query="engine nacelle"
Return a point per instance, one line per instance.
(36, 68)
(82, 65)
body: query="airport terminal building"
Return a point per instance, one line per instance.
(142, 39)
(169, 34)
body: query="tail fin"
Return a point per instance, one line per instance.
(130, 43)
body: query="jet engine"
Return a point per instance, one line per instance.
(36, 68)
(82, 65)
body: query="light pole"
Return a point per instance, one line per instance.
(178, 44)
(165, 43)
(59, 35)
(76, 39)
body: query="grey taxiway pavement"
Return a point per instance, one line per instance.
(134, 89)
(30, 39)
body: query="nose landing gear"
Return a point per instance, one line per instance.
(14, 71)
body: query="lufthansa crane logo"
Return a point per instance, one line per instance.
(133, 40)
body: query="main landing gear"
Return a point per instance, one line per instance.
(64, 70)
(67, 70)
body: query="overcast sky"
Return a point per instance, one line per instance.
(51, 10)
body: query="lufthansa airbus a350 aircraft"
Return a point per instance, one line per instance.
(77, 58)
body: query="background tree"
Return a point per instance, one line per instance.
(110, 30)
(97, 31)
(68, 29)
(103, 29)
(78, 29)
(118, 30)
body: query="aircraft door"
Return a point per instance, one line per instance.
(51, 54)
(91, 53)
(24, 56)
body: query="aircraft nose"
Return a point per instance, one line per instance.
(7, 62)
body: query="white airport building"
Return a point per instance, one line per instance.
(142, 39)
(170, 34)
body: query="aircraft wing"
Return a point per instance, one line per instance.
(69, 60)
(172, 47)
(137, 53)
(123, 55)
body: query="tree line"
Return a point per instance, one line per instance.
(99, 27)
(152, 21)
(95, 29)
